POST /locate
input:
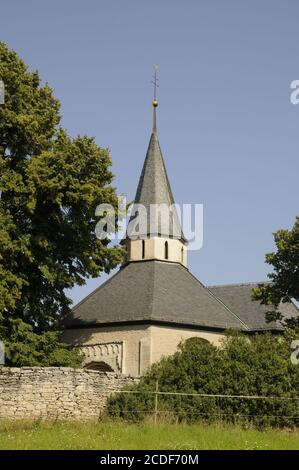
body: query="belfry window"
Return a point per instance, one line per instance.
(166, 250)
(143, 249)
(182, 255)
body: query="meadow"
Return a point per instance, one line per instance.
(144, 436)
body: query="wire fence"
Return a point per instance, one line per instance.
(220, 414)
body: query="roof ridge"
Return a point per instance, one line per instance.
(252, 283)
(221, 302)
(113, 276)
(229, 310)
(96, 289)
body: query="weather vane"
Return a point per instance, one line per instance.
(155, 82)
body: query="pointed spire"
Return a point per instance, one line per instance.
(154, 188)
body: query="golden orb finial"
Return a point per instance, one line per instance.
(155, 103)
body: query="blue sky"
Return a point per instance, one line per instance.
(227, 129)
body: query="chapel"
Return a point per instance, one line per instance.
(154, 302)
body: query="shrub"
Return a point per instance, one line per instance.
(260, 366)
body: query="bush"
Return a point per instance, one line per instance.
(26, 348)
(260, 366)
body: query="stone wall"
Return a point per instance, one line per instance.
(56, 392)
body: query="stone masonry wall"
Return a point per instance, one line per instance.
(56, 392)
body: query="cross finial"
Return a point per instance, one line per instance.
(155, 82)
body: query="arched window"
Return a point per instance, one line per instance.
(101, 366)
(182, 255)
(166, 250)
(143, 249)
(196, 340)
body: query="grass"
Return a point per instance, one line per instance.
(119, 435)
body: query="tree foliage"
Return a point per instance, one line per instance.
(26, 348)
(50, 187)
(259, 367)
(284, 285)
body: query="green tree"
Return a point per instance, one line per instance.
(261, 366)
(50, 187)
(284, 285)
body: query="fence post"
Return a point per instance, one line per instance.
(156, 402)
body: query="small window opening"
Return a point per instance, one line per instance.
(166, 250)
(143, 249)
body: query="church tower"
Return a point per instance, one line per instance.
(153, 302)
(154, 231)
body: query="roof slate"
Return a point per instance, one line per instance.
(154, 291)
(161, 291)
(238, 298)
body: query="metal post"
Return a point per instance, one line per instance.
(156, 402)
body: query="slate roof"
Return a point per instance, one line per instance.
(238, 298)
(153, 189)
(157, 291)
(165, 292)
